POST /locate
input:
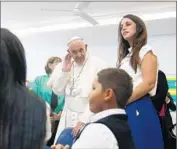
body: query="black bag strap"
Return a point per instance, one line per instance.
(54, 101)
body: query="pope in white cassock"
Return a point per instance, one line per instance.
(74, 79)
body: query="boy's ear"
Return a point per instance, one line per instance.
(108, 94)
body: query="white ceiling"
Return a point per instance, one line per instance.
(24, 15)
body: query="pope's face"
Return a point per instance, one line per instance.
(77, 50)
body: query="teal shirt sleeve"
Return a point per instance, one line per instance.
(39, 86)
(35, 85)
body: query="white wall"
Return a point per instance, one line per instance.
(102, 42)
(165, 48)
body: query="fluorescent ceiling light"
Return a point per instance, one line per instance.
(157, 16)
(114, 20)
(51, 28)
(146, 17)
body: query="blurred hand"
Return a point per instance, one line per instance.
(59, 146)
(55, 117)
(77, 128)
(67, 63)
(167, 100)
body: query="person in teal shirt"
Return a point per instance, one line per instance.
(39, 86)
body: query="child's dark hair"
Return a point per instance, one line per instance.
(119, 81)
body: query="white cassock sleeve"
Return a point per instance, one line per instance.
(85, 117)
(58, 80)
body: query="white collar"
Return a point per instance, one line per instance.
(106, 113)
(130, 49)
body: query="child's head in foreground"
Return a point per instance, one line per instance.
(111, 89)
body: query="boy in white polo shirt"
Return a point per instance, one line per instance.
(108, 128)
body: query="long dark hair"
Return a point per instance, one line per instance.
(139, 41)
(22, 114)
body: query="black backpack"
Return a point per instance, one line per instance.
(161, 93)
(159, 103)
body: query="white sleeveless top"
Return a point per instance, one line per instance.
(137, 77)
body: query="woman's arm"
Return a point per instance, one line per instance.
(149, 73)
